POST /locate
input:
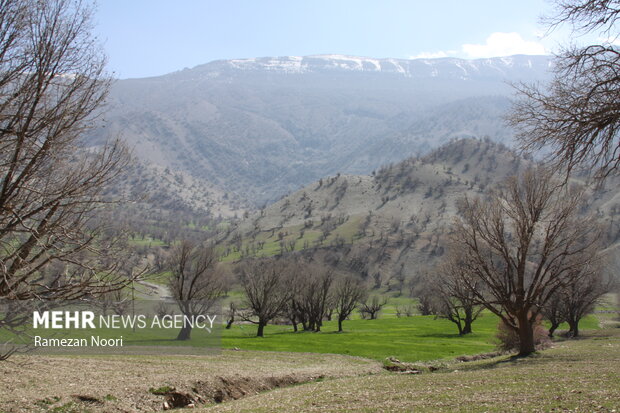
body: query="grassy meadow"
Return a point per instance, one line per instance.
(410, 339)
(574, 376)
(416, 338)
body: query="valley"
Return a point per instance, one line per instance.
(334, 207)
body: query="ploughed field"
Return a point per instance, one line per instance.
(581, 375)
(573, 375)
(144, 383)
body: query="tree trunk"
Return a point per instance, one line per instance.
(293, 321)
(457, 322)
(318, 326)
(554, 326)
(526, 336)
(339, 325)
(230, 321)
(573, 328)
(261, 328)
(467, 321)
(465, 328)
(185, 333)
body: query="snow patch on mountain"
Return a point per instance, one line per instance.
(417, 68)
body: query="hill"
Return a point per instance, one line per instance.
(390, 225)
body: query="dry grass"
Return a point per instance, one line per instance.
(577, 376)
(62, 384)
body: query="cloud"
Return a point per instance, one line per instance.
(496, 45)
(502, 44)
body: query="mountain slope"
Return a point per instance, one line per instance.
(392, 223)
(261, 127)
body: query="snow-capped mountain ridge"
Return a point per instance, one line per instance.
(263, 126)
(462, 68)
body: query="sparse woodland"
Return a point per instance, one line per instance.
(472, 233)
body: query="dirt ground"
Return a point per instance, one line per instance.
(577, 375)
(148, 383)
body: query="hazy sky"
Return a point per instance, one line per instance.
(154, 37)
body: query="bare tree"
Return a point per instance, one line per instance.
(577, 115)
(576, 299)
(117, 301)
(160, 257)
(370, 309)
(554, 311)
(266, 289)
(421, 289)
(452, 298)
(51, 85)
(425, 302)
(349, 292)
(581, 294)
(313, 297)
(293, 310)
(232, 312)
(196, 283)
(522, 244)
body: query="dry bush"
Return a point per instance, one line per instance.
(508, 339)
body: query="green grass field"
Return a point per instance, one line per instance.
(416, 338)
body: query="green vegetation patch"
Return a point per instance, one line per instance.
(406, 338)
(416, 338)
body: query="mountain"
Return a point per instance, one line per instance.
(395, 219)
(259, 128)
(153, 186)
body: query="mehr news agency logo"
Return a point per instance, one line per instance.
(66, 320)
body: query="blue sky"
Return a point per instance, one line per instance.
(154, 37)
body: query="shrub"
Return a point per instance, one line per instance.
(508, 339)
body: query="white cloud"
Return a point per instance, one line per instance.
(502, 44)
(496, 45)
